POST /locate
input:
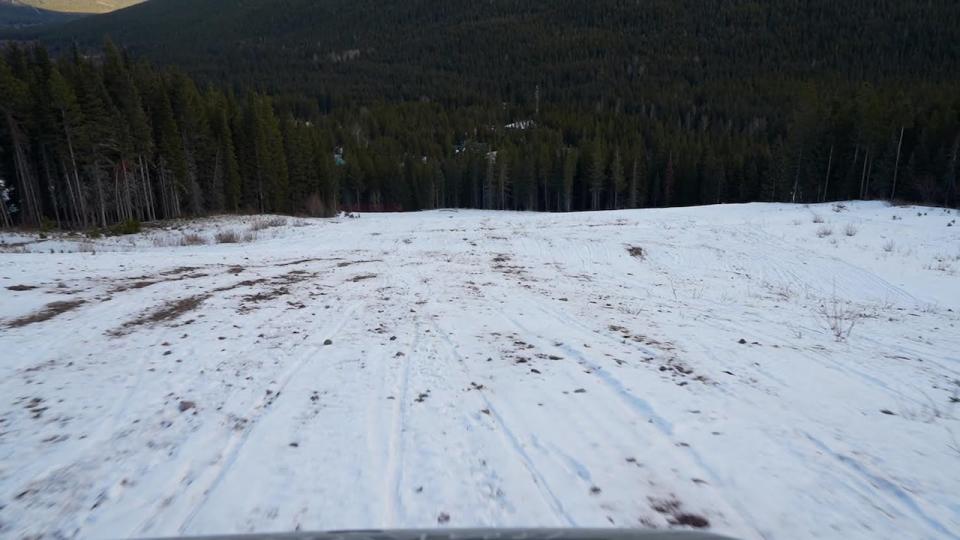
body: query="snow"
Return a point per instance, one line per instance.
(500, 369)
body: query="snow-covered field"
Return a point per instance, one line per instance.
(470, 368)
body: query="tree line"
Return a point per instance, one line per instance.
(91, 140)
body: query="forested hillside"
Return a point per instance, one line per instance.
(304, 106)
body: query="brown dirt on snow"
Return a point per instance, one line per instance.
(50, 311)
(168, 312)
(19, 288)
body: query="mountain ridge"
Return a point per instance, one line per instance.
(17, 14)
(79, 6)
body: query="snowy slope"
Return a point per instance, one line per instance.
(489, 369)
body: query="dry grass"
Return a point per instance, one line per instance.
(185, 239)
(850, 230)
(267, 223)
(817, 218)
(168, 312)
(50, 311)
(192, 239)
(227, 237)
(234, 237)
(824, 232)
(838, 318)
(19, 288)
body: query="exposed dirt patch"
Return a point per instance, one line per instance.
(278, 287)
(134, 285)
(35, 407)
(177, 274)
(362, 277)
(637, 252)
(263, 296)
(690, 520)
(244, 283)
(186, 406)
(168, 312)
(179, 270)
(50, 311)
(673, 509)
(503, 263)
(19, 288)
(351, 263)
(304, 261)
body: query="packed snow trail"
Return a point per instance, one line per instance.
(649, 368)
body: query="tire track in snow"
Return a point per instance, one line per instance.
(393, 499)
(265, 405)
(639, 405)
(894, 491)
(547, 493)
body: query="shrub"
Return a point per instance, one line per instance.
(850, 230)
(192, 239)
(839, 319)
(817, 218)
(227, 237)
(888, 246)
(261, 224)
(130, 226)
(824, 232)
(234, 237)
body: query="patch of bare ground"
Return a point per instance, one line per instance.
(244, 283)
(637, 252)
(362, 277)
(175, 274)
(49, 311)
(669, 363)
(263, 296)
(19, 288)
(304, 261)
(503, 263)
(179, 270)
(351, 263)
(673, 510)
(168, 312)
(279, 287)
(176, 308)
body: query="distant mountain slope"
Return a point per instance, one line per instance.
(15, 14)
(576, 50)
(81, 6)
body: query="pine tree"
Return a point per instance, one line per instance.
(597, 174)
(617, 179)
(14, 108)
(570, 162)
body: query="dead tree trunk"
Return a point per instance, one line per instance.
(826, 183)
(863, 175)
(896, 168)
